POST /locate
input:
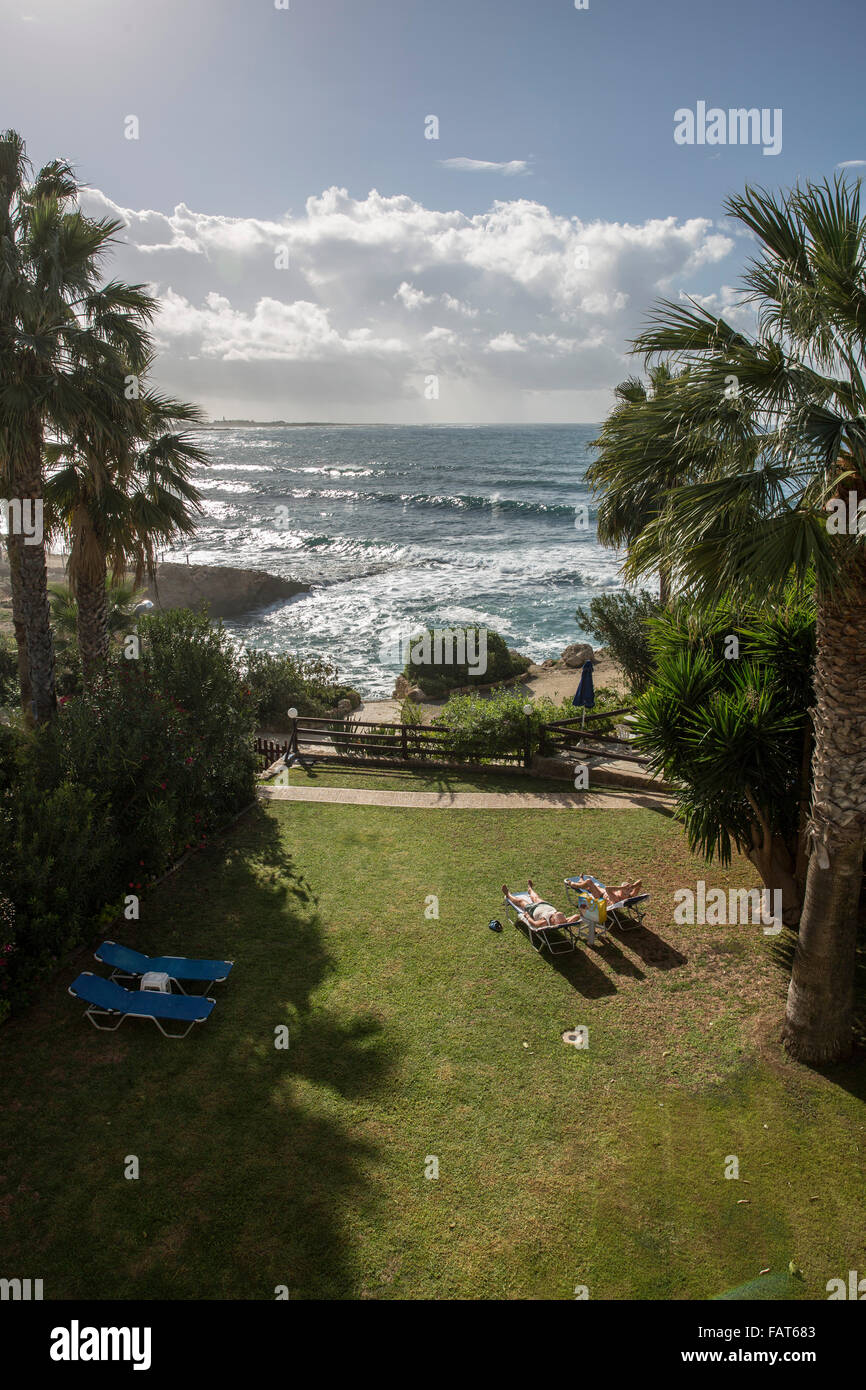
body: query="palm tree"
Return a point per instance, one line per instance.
(644, 452)
(122, 599)
(636, 463)
(755, 514)
(54, 317)
(118, 495)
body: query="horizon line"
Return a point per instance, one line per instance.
(398, 424)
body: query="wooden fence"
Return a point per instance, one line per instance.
(577, 738)
(363, 741)
(359, 741)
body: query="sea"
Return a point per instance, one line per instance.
(399, 527)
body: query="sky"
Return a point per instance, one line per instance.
(425, 210)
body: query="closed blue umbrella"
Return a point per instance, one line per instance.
(584, 696)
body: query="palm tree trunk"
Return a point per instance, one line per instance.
(802, 858)
(819, 1015)
(772, 858)
(27, 481)
(13, 545)
(92, 601)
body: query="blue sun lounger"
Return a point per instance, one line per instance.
(126, 964)
(106, 998)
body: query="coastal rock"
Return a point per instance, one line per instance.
(577, 654)
(401, 688)
(344, 706)
(416, 695)
(223, 589)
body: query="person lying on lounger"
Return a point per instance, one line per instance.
(613, 895)
(534, 907)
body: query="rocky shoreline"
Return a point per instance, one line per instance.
(572, 659)
(227, 591)
(556, 678)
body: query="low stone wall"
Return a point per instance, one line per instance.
(601, 773)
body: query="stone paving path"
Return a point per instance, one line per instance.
(475, 801)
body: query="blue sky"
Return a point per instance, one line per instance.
(247, 111)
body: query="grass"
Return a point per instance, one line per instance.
(413, 1036)
(427, 779)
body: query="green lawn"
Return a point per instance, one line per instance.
(429, 779)
(413, 1037)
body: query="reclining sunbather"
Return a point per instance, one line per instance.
(622, 902)
(536, 909)
(586, 884)
(542, 917)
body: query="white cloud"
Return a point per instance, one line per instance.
(486, 166)
(727, 304)
(337, 311)
(441, 335)
(504, 342)
(273, 331)
(411, 297)
(458, 307)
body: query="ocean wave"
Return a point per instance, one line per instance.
(235, 467)
(344, 544)
(215, 485)
(455, 502)
(332, 470)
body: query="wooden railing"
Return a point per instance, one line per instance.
(360, 740)
(573, 736)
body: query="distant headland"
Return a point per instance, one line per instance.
(269, 424)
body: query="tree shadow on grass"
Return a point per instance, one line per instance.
(257, 1164)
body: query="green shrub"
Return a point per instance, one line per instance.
(131, 773)
(279, 683)
(437, 677)
(193, 665)
(620, 623)
(606, 698)
(410, 713)
(727, 729)
(66, 857)
(485, 730)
